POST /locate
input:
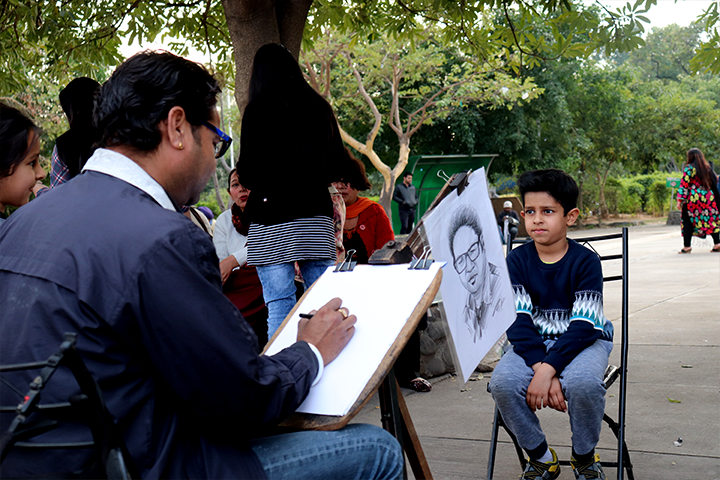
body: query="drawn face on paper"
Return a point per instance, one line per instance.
(469, 258)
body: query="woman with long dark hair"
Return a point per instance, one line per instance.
(291, 151)
(698, 201)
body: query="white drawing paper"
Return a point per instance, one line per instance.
(383, 298)
(475, 289)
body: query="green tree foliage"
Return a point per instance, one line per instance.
(55, 41)
(391, 83)
(667, 52)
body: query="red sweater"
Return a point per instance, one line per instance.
(374, 228)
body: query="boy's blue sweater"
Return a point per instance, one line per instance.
(561, 301)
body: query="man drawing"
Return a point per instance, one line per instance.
(109, 257)
(477, 275)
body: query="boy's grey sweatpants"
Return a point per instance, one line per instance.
(582, 383)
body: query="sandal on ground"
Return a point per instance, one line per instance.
(685, 250)
(715, 249)
(419, 384)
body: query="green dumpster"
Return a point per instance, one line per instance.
(430, 172)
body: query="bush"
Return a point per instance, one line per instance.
(659, 198)
(505, 185)
(630, 196)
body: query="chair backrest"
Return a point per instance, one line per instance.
(623, 277)
(32, 418)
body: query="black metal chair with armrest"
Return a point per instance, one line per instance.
(32, 418)
(613, 372)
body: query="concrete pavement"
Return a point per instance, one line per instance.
(674, 354)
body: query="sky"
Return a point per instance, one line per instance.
(666, 12)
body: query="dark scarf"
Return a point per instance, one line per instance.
(237, 220)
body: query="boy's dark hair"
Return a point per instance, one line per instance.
(407, 174)
(465, 216)
(554, 182)
(14, 130)
(141, 92)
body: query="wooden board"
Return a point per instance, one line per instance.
(304, 421)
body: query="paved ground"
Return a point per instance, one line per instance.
(674, 354)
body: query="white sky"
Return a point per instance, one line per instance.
(666, 12)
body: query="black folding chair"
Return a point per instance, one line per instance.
(623, 463)
(32, 418)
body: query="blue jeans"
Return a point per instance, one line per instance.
(582, 384)
(355, 452)
(278, 282)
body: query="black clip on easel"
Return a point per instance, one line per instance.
(424, 262)
(460, 181)
(347, 265)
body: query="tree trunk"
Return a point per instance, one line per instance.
(254, 23)
(218, 197)
(602, 179)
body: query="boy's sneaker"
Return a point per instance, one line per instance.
(589, 470)
(542, 471)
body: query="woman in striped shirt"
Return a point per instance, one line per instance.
(291, 151)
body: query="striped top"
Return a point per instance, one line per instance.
(302, 239)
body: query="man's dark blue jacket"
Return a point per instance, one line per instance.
(141, 287)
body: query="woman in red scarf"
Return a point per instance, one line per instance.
(241, 283)
(367, 226)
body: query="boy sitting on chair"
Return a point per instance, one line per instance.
(560, 340)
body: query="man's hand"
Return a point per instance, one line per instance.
(226, 267)
(328, 330)
(538, 394)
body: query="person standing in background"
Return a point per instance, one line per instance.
(367, 227)
(74, 147)
(698, 203)
(240, 281)
(513, 221)
(407, 200)
(291, 151)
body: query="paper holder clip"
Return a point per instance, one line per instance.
(347, 265)
(424, 262)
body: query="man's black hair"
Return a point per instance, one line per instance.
(141, 92)
(14, 130)
(465, 216)
(554, 182)
(406, 174)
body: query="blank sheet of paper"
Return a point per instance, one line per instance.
(383, 298)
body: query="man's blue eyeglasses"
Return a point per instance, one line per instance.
(225, 140)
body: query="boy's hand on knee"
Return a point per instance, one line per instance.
(556, 398)
(539, 389)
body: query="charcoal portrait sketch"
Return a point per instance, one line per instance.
(476, 293)
(478, 276)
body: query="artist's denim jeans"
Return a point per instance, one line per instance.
(278, 282)
(582, 383)
(355, 452)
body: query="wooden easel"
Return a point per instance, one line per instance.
(395, 415)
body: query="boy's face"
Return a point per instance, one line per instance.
(544, 219)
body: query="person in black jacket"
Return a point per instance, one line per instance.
(407, 199)
(140, 285)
